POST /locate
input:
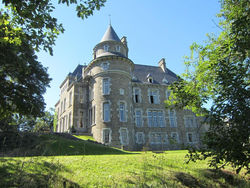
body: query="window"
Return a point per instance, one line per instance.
(121, 91)
(106, 135)
(92, 116)
(175, 137)
(105, 86)
(66, 123)
(91, 93)
(106, 112)
(106, 48)
(161, 119)
(122, 111)
(190, 137)
(172, 118)
(158, 138)
(140, 138)
(138, 118)
(137, 96)
(153, 96)
(124, 136)
(150, 118)
(150, 80)
(105, 65)
(165, 81)
(69, 119)
(64, 104)
(81, 119)
(156, 118)
(118, 48)
(70, 98)
(168, 92)
(61, 107)
(189, 121)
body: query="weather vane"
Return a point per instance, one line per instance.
(109, 19)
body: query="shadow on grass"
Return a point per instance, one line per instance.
(32, 173)
(149, 175)
(30, 144)
(224, 178)
(188, 180)
(218, 178)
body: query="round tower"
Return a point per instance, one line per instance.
(110, 91)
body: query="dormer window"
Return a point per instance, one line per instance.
(165, 81)
(150, 78)
(106, 48)
(134, 78)
(118, 48)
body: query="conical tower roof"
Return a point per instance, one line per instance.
(110, 35)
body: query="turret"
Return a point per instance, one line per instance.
(111, 45)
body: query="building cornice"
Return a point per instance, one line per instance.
(105, 58)
(112, 71)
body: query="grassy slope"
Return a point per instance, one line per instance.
(108, 169)
(84, 137)
(54, 145)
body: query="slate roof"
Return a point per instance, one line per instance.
(77, 72)
(142, 71)
(110, 35)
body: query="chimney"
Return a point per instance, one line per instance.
(83, 70)
(124, 40)
(162, 65)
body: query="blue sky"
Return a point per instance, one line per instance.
(154, 29)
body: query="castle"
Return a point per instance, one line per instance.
(122, 104)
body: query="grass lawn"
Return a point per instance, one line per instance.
(84, 137)
(111, 168)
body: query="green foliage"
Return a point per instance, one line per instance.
(85, 8)
(219, 72)
(44, 123)
(27, 27)
(23, 79)
(55, 121)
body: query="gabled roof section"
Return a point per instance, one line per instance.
(77, 72)
(141, 72)
(110, 35)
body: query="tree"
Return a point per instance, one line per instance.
(23, 79)
(55, 122)
(25, 28)
(219, 72)
(44, 123)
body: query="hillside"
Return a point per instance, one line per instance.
(61, 160)
(30, 144)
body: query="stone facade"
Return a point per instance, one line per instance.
(122, 104)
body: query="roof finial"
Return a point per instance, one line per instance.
(109, 19)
